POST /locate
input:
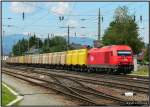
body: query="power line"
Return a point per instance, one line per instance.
(35, 21)
(68, 32)
(76, 15)
(68, 16)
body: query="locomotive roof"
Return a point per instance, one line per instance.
(111, 47)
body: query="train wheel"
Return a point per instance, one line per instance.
(82, 70)
(76, 69)
(108, 71)
(88, 70)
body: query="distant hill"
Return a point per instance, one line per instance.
(10, 40)
(82, 40)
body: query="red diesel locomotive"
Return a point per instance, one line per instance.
(111, 59)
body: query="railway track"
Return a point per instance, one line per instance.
(123, 78)
(52, 85)
(127, 78)
(53, 75)
(82, 92)
(81, 88)
(130, 87)
(130, 78)
(142, 88)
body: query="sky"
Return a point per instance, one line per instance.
(42, 18)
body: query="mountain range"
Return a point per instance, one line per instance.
(9, 40)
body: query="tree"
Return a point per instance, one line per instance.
(46, 45)
(55, 44)
(15, 50)
(32, 41)
(58, 44)
(24, 46)
(20, 47)
(123, 30)
(38, 43)
(146, 57)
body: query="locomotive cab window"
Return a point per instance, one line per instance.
(124, 53)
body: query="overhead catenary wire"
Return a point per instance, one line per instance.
(75, 15)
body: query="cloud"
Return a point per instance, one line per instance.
(19, 7)
(25, 33)
(48, 4)
(72, 23)
(63, 34)
(61, 8)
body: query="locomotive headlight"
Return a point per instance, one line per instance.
(125, 59)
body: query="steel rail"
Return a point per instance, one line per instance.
(132, 87)
(130, 78)
(47, 85)
(87, 90)
(106, 83)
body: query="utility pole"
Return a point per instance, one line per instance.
(68, 38)
(19, 48)
(99, 24)
(28, 41)
(2, 50)
(38, 42)
(48, 40)
(75, 34)
(68, 32)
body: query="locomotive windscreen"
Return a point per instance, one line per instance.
(124, 53)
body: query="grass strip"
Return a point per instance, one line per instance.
(142, 71)
(7, 96)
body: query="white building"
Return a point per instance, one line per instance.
(135, 63)
(4, 57)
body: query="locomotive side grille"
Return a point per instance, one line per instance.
(107, 57)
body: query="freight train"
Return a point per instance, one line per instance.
(108, 59)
